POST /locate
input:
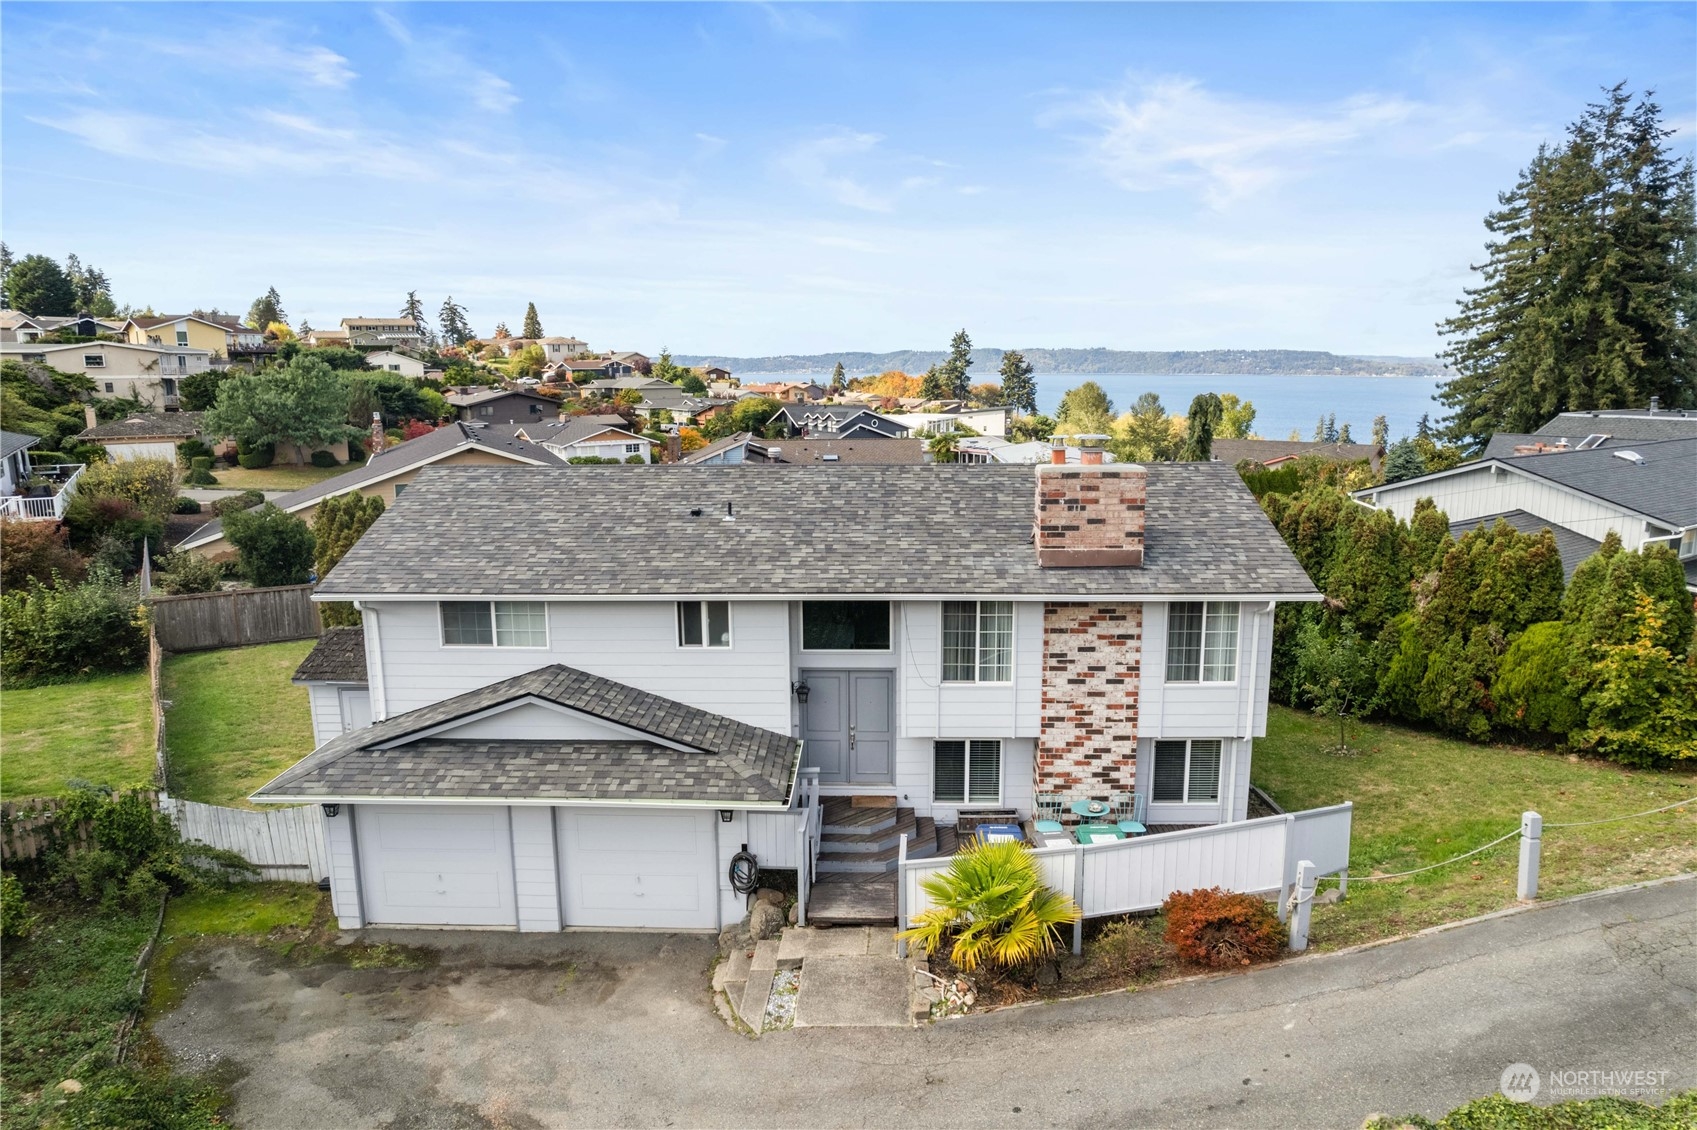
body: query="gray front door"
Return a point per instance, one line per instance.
(849, 726)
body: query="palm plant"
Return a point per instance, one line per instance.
(992, 902)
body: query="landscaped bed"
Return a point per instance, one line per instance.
(1421, 798)
(235, 721)
(99, 730)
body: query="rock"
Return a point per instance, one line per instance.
(70, 1086)
(1329, 897)
(1048, 975)
(731, 937)
(767, 894)
(765, 921)
(795, 914)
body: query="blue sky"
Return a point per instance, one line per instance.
(783, 178)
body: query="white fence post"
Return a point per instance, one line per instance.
(901, 894)
(1284, 868)
(1078, 901)
(802, 869)
(1305, 904)
(1531, 845)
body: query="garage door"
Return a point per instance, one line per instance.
(639, 869)
(436, 865)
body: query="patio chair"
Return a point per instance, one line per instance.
(1049, 808)
(1125, 814)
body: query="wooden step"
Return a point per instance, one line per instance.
(870, 841)
(843, 818)
(848, 903)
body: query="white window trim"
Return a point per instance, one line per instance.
(977, 638)
(730, 627)
(1202, 653)
(1219, 769)
(94, 360)
(966, 773)
(890, 607)
(493, 644)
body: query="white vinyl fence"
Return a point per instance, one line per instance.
(284, 843)
(1127, 876)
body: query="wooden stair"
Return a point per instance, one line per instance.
(858, 848)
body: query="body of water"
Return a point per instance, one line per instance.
(1281, 402)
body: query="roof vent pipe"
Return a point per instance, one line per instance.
(1655, 405)
(730, 514)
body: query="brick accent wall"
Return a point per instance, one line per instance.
(1090, 516)
(1092, 657)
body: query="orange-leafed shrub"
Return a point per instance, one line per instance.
(1219, 929)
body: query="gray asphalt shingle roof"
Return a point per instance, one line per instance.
(798, 530)
(1663, 486)
(147, 425)
(13, 442)
(1573, 547)
(1622, 424)
(726, 761)
(337, 657)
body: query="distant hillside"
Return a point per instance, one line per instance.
(1290, 362)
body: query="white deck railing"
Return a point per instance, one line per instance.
(1128, 876)
(50, 508)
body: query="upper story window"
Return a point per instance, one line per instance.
(704, 623)
(1186, 772)
(977, 641)
(182, 338)
(497, 623)
(1202, 642)
(845, 625)
(94, 360)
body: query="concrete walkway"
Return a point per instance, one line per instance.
(569, 1029)
(850, 977)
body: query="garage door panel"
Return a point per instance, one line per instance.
(654, 869)
(436, 866)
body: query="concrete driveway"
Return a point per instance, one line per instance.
(617, 1030)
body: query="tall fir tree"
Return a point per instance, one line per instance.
(1381, 432)
(532, 323)
(1586, 297)
(954, 378)
(455, 329)
(934, 384)
(267, 308)
(1019, 391)
(1343, 434)
(413, 310)
(1205, 413)
(839, 381)
(37, 285)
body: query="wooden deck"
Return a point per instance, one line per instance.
(841, 900)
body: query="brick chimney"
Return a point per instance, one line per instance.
(1057, 452)
(377, 436)
(1090, 516)
(88, 416)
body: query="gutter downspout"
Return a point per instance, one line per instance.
(374, 661)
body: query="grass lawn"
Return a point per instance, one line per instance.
(277, 477)
(1421, 798)
(100, 730)
(234, 721)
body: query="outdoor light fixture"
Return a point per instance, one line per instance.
(801, 690)
(724, 816)
(331, 809)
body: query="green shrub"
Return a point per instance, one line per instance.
(631, 459)
(184, 571)
(40, 458)
(1219, 929)
(246, 500)
(1131, 948)
(274, 547)
(93, 519)
(1605, 1112)
(37, 550)
(55, 634)
(15, 919)
(1533, 690)
(149, 483)
(133, 854)
(200, 472)
(591, 460)
(185, 505)
(191, 449)
(323, 459)
(253, 458)
(991, 906)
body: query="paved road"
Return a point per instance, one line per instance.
(605, 1030)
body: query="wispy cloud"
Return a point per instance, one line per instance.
(435, 58)
(309, 64)
(1175, 132)
(794, 21)
(815, 164)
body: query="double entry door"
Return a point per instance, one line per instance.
(849, 726)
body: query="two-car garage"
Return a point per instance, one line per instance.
(455, 865)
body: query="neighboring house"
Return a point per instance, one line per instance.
(1277, 452)
(31, 491)
(594, 367)
(146, 372)
(848, 421)
(989, 449)
(716, 374)
(388, 361)
(388, 474)
(745, 447)
(612, 386)
(15, 325)
(397, 332)
(784, 392)
(14, 461)
(187, 331)
(1622, 424)
(502, 406)
(638, 362)
(336, 336)
(561, 348)
(668, 398)
(562, 738)
(147, 435)
(984, 421)
(1645, 492)
(573, 437)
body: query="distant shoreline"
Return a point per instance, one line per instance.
(1088, 362)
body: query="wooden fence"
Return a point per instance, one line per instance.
(27, 827)
(235, 618)
(284, 843)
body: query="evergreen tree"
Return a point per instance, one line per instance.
(1320, 430)
(1381, 432)
(5, 269)
(532, 323)
(838, 380)
(1085, 410)
(267, 308)
(36, 285)
(92, 289)
(1586, 295)
(413, 310)
(455, 329)
(1331, 433)
(1019, 391)
(934, 385)
(1144, 434)
(1403, 461)
(1205, 413)
(1423, 427)
(953, 370)
(337, 523)
(502, 332)
(1343, 433)
(302, 402)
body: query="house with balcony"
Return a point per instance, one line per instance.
(222, 338)
(530, 736)
(15, 325)
(847, 421)
(392, 333)
(31, 491)
(148, 373)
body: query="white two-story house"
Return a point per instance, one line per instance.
(571, 703)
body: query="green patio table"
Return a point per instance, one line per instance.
(1097, 833)
(1091, 807)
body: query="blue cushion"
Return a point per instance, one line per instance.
(1048, 826)
(1132, 828)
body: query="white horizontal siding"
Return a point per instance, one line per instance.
(344, 868)
(1480, 491)
(933, 708)
(1206, 710)
(325, 703)
(1234, 786)
(536, 881)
